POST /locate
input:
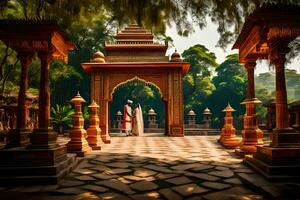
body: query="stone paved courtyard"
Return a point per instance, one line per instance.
(193, 167)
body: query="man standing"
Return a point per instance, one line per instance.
(127, 118)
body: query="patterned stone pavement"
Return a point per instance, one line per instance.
(192, 167)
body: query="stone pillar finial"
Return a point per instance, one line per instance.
(78, 143)
(228, 137)
(94, 131)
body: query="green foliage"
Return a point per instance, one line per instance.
(146, 95)
(231, 84)
(267, 82)
(61, 117)
(86, 116)
(265, 89)
(229, 15)
(197, 85)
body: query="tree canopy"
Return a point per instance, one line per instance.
(229, 15)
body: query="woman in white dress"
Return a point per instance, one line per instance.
(138, 122)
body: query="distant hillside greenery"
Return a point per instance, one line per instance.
(265, 89)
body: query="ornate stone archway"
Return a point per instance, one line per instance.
(136, 55)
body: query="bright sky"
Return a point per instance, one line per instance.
(209, 38)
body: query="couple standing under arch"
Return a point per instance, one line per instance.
(133, 123)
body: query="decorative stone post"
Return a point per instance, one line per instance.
(191, 119)
(119, 120)
(152, 119)
(251, 134)
(19, 136)
(94, 131)
(227, 137)
(78, 143)
(207, 118)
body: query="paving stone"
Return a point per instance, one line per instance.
(227, 194)
(179, 180)
(166, 176)
(158, 168)
(144, 186)
(113, 196)
(100, 168)
(200, 168)
(87, 196)
(144, 172)
(132, 178)
(94, 188)
(83, 171)
(102, 159)
(233, 181)
(215, 185)
(70, 183)
(149, 178)
(221, 168)
(223, 174)
(123, 180)
(85, 178)
(117, 185)
(146, 196)
(203, 176)
(104, 176)
(189, 189)
(197, 197)
(186, 166)
(169, 194)
(70, 191)
(118, 164)
(117, 171)
(246, 197)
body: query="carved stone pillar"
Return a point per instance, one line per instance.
(94, 131)
(19, 136)
(279, 160)
(78, 143)
(228, 138)
(43, 137)
(283, 134)
(251, 134)
(104, 124)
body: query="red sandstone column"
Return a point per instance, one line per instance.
(19, 136)
(251, 134)
(282, 114)
(44, 94)
(43, 138)
(283, 135)
(250, 66)
(26, 59)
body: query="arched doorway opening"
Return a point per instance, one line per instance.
(148, 95)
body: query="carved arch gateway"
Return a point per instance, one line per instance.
(168, 79)
(135, 55)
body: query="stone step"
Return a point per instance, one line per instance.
(38, 175)
(274, 173)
